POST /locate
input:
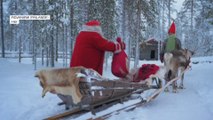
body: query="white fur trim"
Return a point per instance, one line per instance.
(92, 29)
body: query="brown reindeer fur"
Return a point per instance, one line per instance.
(61, 81)
(173, 61)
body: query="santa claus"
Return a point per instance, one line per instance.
(90, 47)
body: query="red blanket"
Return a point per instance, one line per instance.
(145, 71)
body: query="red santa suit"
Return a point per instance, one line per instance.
(90, 47)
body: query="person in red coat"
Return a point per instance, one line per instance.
(90, 47)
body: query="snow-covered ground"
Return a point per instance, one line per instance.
(20, 95)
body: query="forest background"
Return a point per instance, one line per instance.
(133, 20)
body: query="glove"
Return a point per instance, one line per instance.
(122, 44)
(161, 57)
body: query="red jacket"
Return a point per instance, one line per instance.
(89, 50)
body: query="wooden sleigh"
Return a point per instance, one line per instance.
(92, 91)
(96, 93)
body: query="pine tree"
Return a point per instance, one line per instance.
(189, 8)
(2, 29)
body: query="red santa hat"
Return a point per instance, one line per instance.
(172, 29)
(93, 23)
(92, 26)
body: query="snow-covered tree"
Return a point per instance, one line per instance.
(2, 29)
(196, 20)
(132, 20)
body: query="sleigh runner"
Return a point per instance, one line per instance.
(84, 89)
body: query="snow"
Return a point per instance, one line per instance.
(20, 95)
(79, 75)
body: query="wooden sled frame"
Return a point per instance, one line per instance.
(120, 99)
(137, 89)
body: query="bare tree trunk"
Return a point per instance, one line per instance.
(66, 31)
(52, 41)
(43, 39)
(47, 56)
(2, 29)
(33, 49)
(159, 28)
(192, 14)
(35, 60)
(56, 44)
(123, 21)
(71, 24)
(63, 43)
(11, 39)
(52, 49)
(66, 46)
(42, 52)
(159, 17)
(137, 34)
(163, 21)
(20, 49)
(169, 14)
